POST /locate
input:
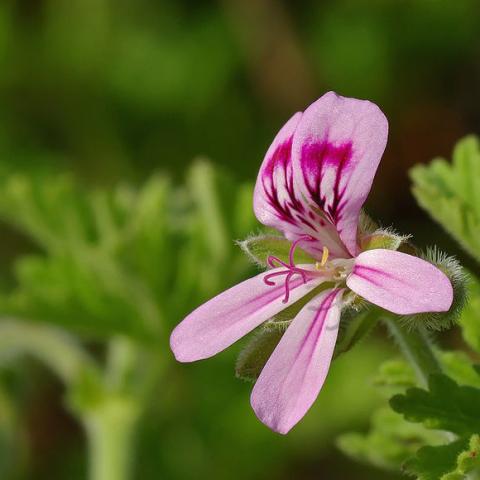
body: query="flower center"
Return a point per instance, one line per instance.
(321, 268)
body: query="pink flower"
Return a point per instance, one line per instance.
(311, 186)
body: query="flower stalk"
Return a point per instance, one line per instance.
(416, 347)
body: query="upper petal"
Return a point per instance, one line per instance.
(279, 204)
(400, 283)
(295, 372)
(224, 319)
(336, 150)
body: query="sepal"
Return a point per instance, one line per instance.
(383, 238)
(259, 247)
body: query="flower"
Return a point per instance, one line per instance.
(311, 187)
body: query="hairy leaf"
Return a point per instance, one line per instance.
(450, 192)
(445, 406)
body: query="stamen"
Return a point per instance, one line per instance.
(291, 268)
(324, 256)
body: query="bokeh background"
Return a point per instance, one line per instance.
(111, 91)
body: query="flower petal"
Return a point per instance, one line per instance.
(221, 321)
(400, 283)
(294, 374)
(278, 204)
(336, 150)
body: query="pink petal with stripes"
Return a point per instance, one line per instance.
(221, 321)
(336, 149)
(400, 283)
(294, 374)
(279, 204)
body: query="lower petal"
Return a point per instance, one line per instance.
(294, 374)
(223, 320)
(400, 283)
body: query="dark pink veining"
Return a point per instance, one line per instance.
(316, 158)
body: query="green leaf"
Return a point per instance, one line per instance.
(254, 356)
(389, 443)
(469, 319)
(445, 406)
(259, 248)
(394, 376)
(451, 193)
(433, 463)
(458, 366)
(453, 461)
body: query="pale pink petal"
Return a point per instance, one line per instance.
(294, 374)
(278, 204)
(336, 149)
(400, 283)
(221, 321)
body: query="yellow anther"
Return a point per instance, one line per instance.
(324, 256)
(319, 265)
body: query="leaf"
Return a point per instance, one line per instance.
(445, 406)
(389, 443)
(254, 356)
(394, 376)
(453, 461)
(259, 248)
(451, 193)
(122, 260)
(433, 463)
(469, 319)
(458, 366)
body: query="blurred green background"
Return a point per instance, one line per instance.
(110, 93)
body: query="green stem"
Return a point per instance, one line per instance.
(417, 348)
(110, 432)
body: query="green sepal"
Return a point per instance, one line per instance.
(382, 239)
(258, 248)
(355, 325)
(254, 356)
(445, 406)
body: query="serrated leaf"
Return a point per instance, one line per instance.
(445, 406)
(394, 376)
(389, 443)
(432, 463)
(255, 354)
(451, 193)
(259, 248)
(458, 366)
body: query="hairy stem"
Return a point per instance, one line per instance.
(417, 348)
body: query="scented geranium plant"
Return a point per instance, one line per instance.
(311, 187)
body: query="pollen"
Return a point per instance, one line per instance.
(323, 261)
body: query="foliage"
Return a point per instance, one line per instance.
(450, 194)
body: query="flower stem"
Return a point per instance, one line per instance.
(417, 348)
(110, 433)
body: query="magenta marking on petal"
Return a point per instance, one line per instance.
(316, 158)
(280, 163)
(322, 311)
